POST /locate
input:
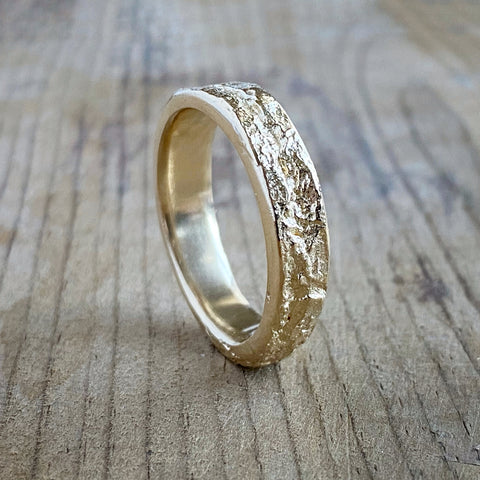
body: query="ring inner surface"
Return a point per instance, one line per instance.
(185, 188)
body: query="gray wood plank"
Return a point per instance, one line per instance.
(104, 372)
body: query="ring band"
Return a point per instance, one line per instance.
(292, 211)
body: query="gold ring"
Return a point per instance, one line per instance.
(291, 207)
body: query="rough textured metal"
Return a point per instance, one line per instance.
(299, 209)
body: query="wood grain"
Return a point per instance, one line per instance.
(104, 373)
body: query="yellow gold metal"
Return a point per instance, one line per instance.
(291, 207)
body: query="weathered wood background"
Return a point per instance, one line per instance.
(104, 371)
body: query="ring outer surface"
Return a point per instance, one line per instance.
(292, 211)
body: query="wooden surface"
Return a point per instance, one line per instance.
(104, 371)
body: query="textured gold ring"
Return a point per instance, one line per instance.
(292, 211)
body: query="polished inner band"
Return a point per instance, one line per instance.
(190, 215)
(291, 207)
